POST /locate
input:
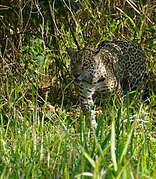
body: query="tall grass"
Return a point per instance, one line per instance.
(56, 145)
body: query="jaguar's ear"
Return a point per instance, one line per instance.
(71, 52)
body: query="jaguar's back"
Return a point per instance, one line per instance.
(132, 62)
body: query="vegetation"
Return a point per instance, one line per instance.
(43, 133)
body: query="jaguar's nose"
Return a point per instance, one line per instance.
(77, 78)
(76, 75)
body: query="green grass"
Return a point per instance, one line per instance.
(48, 142)
(43, 133)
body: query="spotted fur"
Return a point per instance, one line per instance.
(113, 67)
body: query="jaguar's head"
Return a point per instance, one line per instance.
(82, 64)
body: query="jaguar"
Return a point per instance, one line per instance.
(113, 67)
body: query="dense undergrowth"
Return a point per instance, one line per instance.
(43, 133)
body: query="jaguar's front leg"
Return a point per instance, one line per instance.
(87, 104)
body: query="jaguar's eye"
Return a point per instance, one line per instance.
(85, 64)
